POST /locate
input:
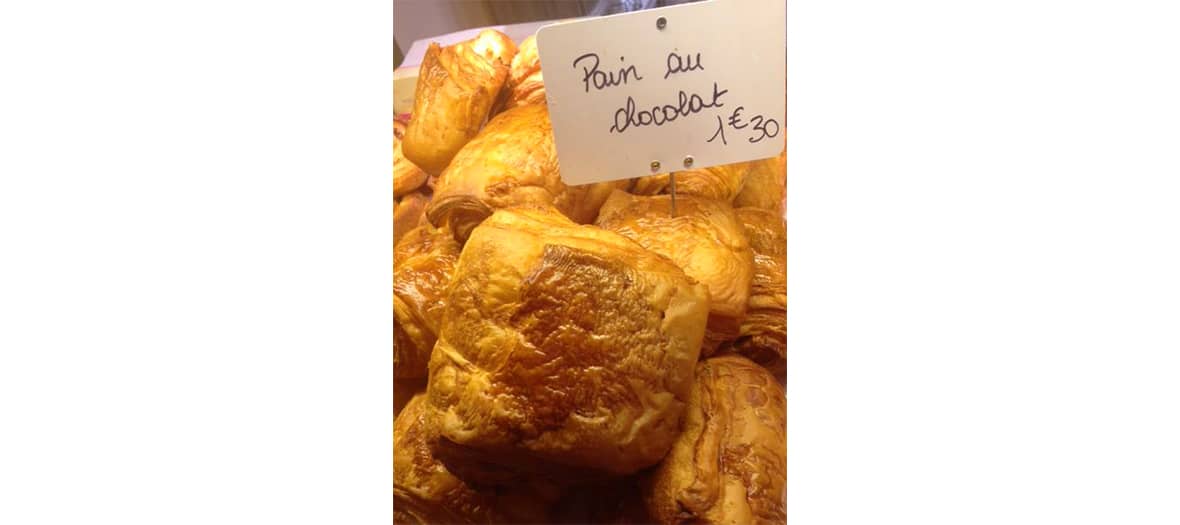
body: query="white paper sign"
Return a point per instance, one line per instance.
(705, 80)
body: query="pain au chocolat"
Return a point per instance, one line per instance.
(525, 85)
(565, 351)
(704, 238)
(423, 262)
(763, 333)
(766, 185)
(512, 162)
(426, 492)
(730, 464)
(457, 86)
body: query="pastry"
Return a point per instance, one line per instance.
(722, 182)
(511, 162)
(406, 176)
(704, 238)
(566, 351)
(422, 265)
(409, 212)
(457, 86)
(730, 464)
(766, 185)
(763, 334)
(525, 84)
(425, 492)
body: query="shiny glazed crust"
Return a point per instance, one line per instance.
(718, 182)
(704, 238)
(730, 464)
(565, 351)
(422, 266)
(511, 162)
(457, 86)
(763, 336)
(425, 492)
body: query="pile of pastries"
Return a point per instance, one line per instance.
(577, 354)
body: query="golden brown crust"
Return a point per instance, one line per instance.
(729, 466)
(565, 350)
(406, 176)
(425, 492)
(423, 263)
(457, 86)
(718, 182)
(408, 213)
(511, 162)
(763, 334)
(766, 185)
(704, 238)
(525, 85)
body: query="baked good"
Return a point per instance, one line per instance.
(525, 84)
(423, 262)
(766, 185)
(722, 182)
(425, 492)
(457, 86)
(763, 334)
(511, 162)
(566, 351)
(730, 464)
(409, 212)
(704, 238)
(406, 176)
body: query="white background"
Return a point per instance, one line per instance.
(194, 262)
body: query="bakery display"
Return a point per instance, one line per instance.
(704, 238)
(577, 354)
(457, 86)
(730, 463)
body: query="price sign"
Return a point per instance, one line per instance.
(659, 90)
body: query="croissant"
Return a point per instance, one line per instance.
(566, 351)
(524, 85)
(457, 86)
(722, 182)
(426, 492)
(766, 185)
(704, 238)
(423, 262)
(763, 334)
(409, 212)
(730, 464)
(511, 162)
